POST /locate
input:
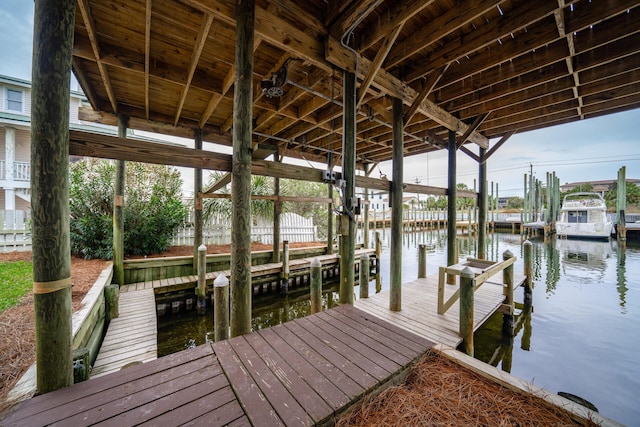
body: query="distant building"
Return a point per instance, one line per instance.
(600, 187)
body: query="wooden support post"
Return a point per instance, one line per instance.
(52, 49)
(528, 272)
(378, 254)
(507, 278)
(111, 296)
(347, 249)
(316, 286)
(365, 227)
(201, 290)
(395, 279)
(285, 267)
(364, 276)
(466, 310)
(330, 220)
(81, 365)
(277, 210)
(118, 209)
(197, 205)
(221, 308)
(242, 289)
(422, 261)
(452, 257)
(621, 204)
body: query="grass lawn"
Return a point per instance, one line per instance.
(16, 279)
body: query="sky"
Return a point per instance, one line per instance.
(592, 149)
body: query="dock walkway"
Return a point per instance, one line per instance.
(303, 372)
(419, 312)
(132, 337)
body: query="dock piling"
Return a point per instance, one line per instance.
(111, 294)
(221, 308)
(285, 266)
(507, 279)
(466, 310)
(422, 261)
(528, 272)
(201, 290)
(378, 253)
(316, 286)
(364, 276)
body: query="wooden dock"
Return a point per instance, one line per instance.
(131, 337)
(304, 372)
(419, 312)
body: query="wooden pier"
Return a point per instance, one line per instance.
(419, 312)
(132, 337)
(304, 372)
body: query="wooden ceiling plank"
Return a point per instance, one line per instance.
(399, 14)
(429, 84)
(147, 54)
(458, 16)
(201, 40)
(294, 9)
(377, 63)
(91, 31)
(354, 13)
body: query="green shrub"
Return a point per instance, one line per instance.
(152, 208)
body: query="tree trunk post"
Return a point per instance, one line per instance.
(241, 288)
(277, 210)
(348, 246)
(364, 276)
(52, 50)
(395, 279)
(507, 278)
(365, 219)
(201, 290)
(466, 310)
(118, 209)
(330, 220)
(197, 206)
(422, 261)
(221, 308)
(378, 253)
(621, 202)
(528, 272)
(452, 257)
(316, 286)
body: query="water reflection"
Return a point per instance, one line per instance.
(621, 275)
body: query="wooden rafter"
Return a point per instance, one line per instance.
(355, 11)
(431, 82)
(91, 31)
(147, 54)
(377, 63)
(399, 14)
(201, 39)
(559, 15)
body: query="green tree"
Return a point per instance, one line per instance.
(515, 203)
(152, 211)
(633, 195)
(260, 186)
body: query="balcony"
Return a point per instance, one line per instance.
(21, 171)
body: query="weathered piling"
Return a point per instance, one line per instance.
(315, 289)
(507, 279)
(466, 310)
(621, 204)
(422, 261)
(528, 272)
(201, 289)
(111, 294)
(285, 266)
(364, 276)
(221, 308)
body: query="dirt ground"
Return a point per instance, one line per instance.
(17, 324)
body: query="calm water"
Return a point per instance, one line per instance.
(582, 337)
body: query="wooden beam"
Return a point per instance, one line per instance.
(469, 153)
(559, 16)
(377, 63)
(355, 12)
(91, 31)
(147, 54)
(395, 276)
(274, 198)
(472, 127)
(429, 84)
(201, 39)
(345, 59)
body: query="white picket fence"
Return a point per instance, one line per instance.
(293, 228)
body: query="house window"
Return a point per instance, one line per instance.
(14, 100)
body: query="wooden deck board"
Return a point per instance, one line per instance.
(299, 373)
(419, 312)
(132, 337)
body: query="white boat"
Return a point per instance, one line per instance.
(584, 215)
